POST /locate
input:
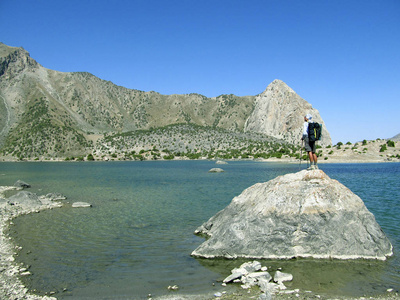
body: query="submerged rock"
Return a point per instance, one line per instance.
(81, 204)
(216, 170)
(304, 214)
(281, 277)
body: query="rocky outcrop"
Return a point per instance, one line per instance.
(304, 214)
(18, 58)
(279, 112)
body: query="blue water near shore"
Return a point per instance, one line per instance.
(137, 238)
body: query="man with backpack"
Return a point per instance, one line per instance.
(309, 137)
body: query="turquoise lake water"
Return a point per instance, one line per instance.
(137, 238)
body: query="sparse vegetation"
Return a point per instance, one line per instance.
(194, 142)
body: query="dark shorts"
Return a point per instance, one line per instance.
(309, 146)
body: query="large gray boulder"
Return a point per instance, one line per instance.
(304, 214)
(26, 200)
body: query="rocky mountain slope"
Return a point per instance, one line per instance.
(396, 138)
(45, 113)
(278, 112)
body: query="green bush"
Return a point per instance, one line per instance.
(170, 156)
(391, 143)
(383, 148)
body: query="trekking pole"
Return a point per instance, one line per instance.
(301, 154)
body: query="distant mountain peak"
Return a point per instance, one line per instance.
(279, 112)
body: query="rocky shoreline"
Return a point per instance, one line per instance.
(22, 203)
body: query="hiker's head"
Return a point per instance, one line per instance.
(308, 117)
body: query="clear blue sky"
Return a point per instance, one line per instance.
(342, 56)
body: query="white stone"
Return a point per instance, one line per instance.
(281, 277)
(233, 276)
(81, 204)
(216, 170)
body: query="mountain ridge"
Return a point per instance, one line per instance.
(77, 106)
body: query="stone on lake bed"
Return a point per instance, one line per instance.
(281, 277)
(81, 204)
(303, 214)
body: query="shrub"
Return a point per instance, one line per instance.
(391, 143)
(383, 148)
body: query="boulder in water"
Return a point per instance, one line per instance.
(81, 204)
(304, 214)
(25, 199)
(23, 184)
(216, 170)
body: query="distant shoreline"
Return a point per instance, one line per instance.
(376, 151)
(269, 160)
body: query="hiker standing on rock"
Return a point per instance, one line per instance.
(309, 146)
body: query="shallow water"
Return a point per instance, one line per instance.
(137, 238)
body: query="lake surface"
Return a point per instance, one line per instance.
(137, 238)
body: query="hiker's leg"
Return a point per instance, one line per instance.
(315, 160)
(311, 157)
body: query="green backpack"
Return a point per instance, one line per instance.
(314, 131)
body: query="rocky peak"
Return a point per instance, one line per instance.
(279, 112)
(14, 61)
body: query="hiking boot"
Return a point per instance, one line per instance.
(310, 168)
(316, 167)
